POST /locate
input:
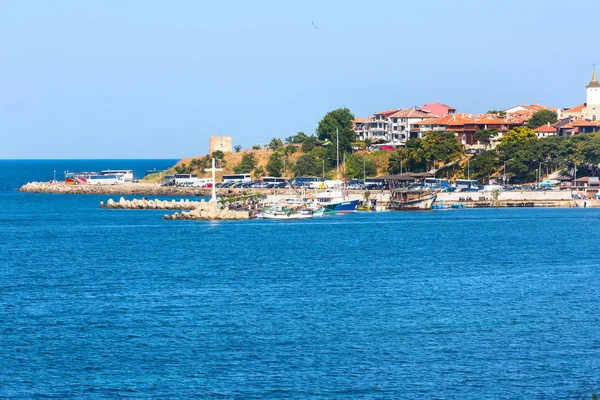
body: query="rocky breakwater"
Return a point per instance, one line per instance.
(192, 210)
(151, 189)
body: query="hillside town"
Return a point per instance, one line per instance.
(396, 126)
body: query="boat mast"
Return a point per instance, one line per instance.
(337, 172)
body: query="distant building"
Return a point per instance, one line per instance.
(223, 143)
(526, 108)
(437, 109)
(389, 126)
(590, 110)
(545, 131)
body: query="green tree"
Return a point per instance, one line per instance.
(542, 117)
(275, 144)
(485, 136)
(237, 148)
(357, 166)
(306, 165)
(337, 123)
(256, 147)
(298, 138)
(259, 172)
(309, 143)
(496, 112)
(289, 149)
(441, 146)
(218, 154)
(246, 165)
(484, 165)
(275, 165)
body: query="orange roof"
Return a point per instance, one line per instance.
(546, 129)
(430, 121)
(583, 122)
(409, 113)
(576, 109)
(387, 113)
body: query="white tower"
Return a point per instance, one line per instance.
(592, 91)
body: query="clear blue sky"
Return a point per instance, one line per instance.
(155, 79)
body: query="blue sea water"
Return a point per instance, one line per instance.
(453, 304)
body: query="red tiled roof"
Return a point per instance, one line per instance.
(583, 122)
(546, 129)
(576, 109)
(387, 113)
(409, 113)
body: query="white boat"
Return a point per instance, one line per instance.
(282, 212)
(278, 215)
(334, 201)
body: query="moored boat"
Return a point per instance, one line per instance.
(335, 202)
(279, 212)
(409, 199)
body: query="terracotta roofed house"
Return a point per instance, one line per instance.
(437, 109)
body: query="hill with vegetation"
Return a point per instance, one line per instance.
(519, 151)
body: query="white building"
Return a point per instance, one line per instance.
(390, 126)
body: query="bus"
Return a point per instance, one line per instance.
(127, 173)
(273, 179)
(436, 183)
(373, 183)
(308, 181)
(237, 178)
(204, 182)
(105, 179)
(466, 184)
(169, 180)
(184, 179)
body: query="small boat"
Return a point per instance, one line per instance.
(411, 199)
(280, 212)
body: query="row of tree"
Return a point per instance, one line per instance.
(522, 155)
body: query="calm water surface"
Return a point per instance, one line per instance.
(448, 304)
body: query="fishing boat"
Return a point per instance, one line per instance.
(412, 199)
(281, 212)
(334, 201)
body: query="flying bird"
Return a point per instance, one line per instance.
(316, 27)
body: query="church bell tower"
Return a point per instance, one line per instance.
(592, 93)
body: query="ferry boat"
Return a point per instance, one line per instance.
(411, 199)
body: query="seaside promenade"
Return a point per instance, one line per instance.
(551, 198)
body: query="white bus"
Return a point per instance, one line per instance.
(436, 183)
(466, 184)
(105, 179)
(127, 173)
(184, 179)
(273, 179)
(204, 182)
(237, 178)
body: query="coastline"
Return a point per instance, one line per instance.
(561, 199)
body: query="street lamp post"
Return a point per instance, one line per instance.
(504, 175)
(364, 170)
(469, 170)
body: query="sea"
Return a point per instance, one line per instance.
(446, 304)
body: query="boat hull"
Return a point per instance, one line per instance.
(421, 203)
(284, 216)
(342, 207)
